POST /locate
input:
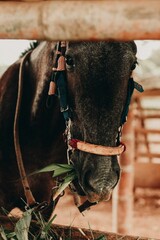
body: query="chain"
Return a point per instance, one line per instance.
(68, 138)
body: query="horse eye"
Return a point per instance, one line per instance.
(69, 61)
(134, 65)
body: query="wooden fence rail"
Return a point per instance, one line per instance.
(80, 20)
(65, 232)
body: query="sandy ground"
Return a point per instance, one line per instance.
(146, 216)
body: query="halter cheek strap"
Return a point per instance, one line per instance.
(58, 81)
(131, 86)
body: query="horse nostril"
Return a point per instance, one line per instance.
(88, 181)
(117, 178)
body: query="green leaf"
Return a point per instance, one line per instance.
(2, 233)
(22, 226)
(68, 166)
(101, 238)
(49, 168)
(68, 179)
(60, 171)
(48, 225)
(53, 167)
(5, 234)
(11, 235)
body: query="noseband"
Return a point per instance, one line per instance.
(58, 85)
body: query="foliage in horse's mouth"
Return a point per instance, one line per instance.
(67, 171)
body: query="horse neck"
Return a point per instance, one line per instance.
(37, 123)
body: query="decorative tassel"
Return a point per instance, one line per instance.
(52, 88)
(61, 64)
(51, 93)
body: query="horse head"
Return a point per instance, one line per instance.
(98, 75)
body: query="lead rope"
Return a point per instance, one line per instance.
(29, 196)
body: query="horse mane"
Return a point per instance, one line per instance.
(32, 46)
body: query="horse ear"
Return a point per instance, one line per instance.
(133, 46)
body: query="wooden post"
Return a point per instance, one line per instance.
(80, 20)
(123, 196)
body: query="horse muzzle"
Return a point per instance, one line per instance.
(97, 169)
(91, 195)
(95, 197)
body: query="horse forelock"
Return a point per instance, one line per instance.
(32, 46)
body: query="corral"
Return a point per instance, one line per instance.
(40, 21)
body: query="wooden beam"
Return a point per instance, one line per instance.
(80, 20)
(147, 155)
(149, 141)
(123, 200)
(68, 232)
(29, 0)
(147, 116)
(147, 175)
(146, 131)
(148, 93)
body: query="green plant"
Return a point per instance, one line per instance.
(68, 172)
(24, 227)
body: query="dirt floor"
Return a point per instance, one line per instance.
(146, 217)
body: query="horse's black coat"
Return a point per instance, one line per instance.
(98, 75)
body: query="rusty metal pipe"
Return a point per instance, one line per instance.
(80, 20)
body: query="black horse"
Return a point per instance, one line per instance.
(98, 77)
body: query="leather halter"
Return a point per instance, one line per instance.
(58, 81)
